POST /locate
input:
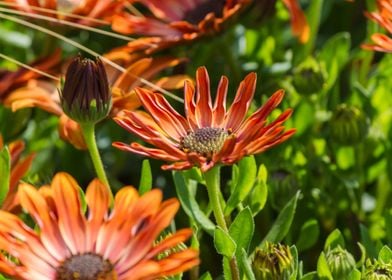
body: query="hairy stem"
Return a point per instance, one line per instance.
(89, 136)
(212, 178)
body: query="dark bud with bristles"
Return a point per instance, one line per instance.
(86, 96)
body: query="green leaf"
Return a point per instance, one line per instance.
(190, 205)
(294, 253)
(322, 268)
(206, 276)
(145, 184)
(334, 239)
(5, 173)
(282, 224)
(385, 254)
(242, 229)
(336, 48)
(259, 194)
(354, 275)
(246, 179)
(224, 244)
(308, 236)
(310, 276)
(246, 265)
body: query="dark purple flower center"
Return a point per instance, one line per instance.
(86, 266)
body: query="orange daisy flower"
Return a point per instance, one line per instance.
(97, 243)
(19, 167)
(208, 134)
(91, 12)
(176, 21)
(383, 16)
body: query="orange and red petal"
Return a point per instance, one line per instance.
(71, 221)
(299, 23)
(203, 112)
(239, 108)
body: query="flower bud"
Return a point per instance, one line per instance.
(86, 97)
(377, 270)
(309, 77)
(273, 262)
(340, 262)
(348, 125)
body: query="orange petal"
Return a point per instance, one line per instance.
(299, 23)
(70, 131)
(71, 221)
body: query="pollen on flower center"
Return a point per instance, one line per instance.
(204, 141)
(86, 266)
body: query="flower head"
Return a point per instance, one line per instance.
(176, 21)
(97, 243)
(273, 262)
(340, 262)
(383, 16)
(209, 134)
(86, 96)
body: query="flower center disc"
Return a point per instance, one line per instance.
(86, 267)
(203, 8)
(204, 141)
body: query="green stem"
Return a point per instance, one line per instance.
(88, 131)
(212, 178)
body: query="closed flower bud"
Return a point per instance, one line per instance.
(348, 125)
(86, 97)
(377, 270)
(273, 262)
(309, 77)
(340, 262)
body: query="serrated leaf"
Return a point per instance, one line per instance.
(189, 204)
(5, 173)
(246, 179)
(282, 224)
(145, 184)
(246, 265)
(323, 271)
(242, 229)
(224, 244)
(334, 239)
(385, 254)
(308, 235)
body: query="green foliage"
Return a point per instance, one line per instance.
(5, 173)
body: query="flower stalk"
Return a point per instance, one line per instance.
(212, 178)
(88, 130)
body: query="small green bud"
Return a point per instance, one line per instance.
(273, 262)
(377, 270)
(348, 125)
(340, 262)
(309, 77)
(86, 97)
